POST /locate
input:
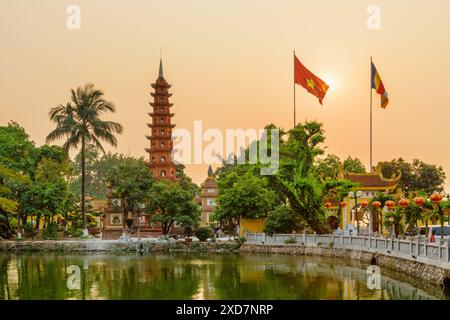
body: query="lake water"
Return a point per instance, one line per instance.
(197, 276)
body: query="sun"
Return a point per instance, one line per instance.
(330, 81)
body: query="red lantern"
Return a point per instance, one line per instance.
(328, 205)
(376, 204)
(436, 197)
(364, 204)
(404, 203)
(343, 204)
(390, 204)
(419, 201)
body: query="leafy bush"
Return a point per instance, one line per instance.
(283, 220)
(291, 240)
(76, 233)
(92, 224)
(13, 223)
(28, 227)
(241, 240)
(203, 233)
(50, 232)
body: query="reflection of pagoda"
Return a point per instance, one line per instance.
(161, 145)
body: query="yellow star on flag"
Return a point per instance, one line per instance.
(311, 84)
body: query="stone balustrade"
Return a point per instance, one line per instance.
(417, 248)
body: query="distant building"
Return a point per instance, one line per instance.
(207, 198)
(113, 219)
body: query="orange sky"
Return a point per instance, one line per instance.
(230, 63)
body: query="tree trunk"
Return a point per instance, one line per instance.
(83, 185)
(124, 219)
(164, 228)
(19, 225)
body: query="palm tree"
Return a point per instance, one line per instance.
(79, 121)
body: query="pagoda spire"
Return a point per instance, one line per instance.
(161, 74)
(210, 172)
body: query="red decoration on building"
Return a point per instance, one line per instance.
(436, 197)
(376, 204)
(343, 204)
(161, 144)
(328, 205)
(419, 201)
(404, 203)
(390, 204)
(364, 204)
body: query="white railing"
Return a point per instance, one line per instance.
(414, 247)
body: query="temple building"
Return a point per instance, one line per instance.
(207, 197)
(161, 144)
(369, 185)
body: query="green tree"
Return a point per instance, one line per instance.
(415, 176)
(16, 149)
(296, 178)
(302, 182)
(49, 193)
(185, 181)
(353, 165)
(429, 177)
(283, 220)
(130, 178)
(247, 196)
(9, 204)
(79, 122)
(170, 203)
(328, 167)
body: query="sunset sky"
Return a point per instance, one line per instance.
(231, 66)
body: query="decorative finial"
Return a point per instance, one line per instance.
(210, 172)
(161, 75)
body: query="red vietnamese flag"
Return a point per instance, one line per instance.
(309, 81)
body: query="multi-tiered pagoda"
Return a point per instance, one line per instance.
(161, 145)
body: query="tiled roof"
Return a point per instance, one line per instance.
(370, 180)
(210, 183)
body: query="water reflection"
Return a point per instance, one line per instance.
(188, 276)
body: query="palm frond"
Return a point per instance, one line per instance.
(80, 119)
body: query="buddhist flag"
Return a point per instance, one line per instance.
(377, 84)
(309, 81)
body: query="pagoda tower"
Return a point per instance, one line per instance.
(161, 144)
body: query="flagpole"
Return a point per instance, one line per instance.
(371, 134)
(295, 120)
